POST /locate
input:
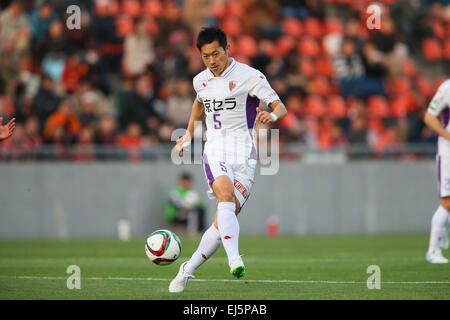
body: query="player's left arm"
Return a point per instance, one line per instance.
(7, 130)
(278, 113)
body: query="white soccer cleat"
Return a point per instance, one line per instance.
(180, 281)
(436, 257)
(237, 268)
(444, 241)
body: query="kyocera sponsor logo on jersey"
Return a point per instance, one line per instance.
(240, 187)
(232, 85)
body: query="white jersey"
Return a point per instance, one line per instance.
(230, 102)
(440, 104)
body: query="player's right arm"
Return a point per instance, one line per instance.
(197, 114)
(438, 103)
(435, 124)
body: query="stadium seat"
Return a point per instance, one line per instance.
(336, 106)
(152, 8)
(377, 107)
(424, 85)
(313, 27)
(292, 27)
(400, 106)
(218, 10)
(438, 29)
(246, 45)
(131, 8)
(409, 68)
(324, 66)
(235, 9)
(307, 68)
(321, 86)
(308, 46)
(333, 25)
(284, 45)
(314, 106)
(124, 25)
(431, 49)
(111, 5)
(232, 26)
(446, 49)
(152, 26)
(400, 85)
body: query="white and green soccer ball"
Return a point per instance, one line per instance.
(163, 247)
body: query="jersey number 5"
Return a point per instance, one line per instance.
(217, 123)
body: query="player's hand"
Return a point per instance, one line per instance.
(263, 116)
(7, 130)
(183, 143)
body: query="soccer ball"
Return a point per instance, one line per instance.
(163, 247)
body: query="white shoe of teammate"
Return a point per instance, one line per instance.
(444, 241)
(436, 257)
(180, 281)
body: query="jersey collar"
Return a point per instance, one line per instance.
(225, 73)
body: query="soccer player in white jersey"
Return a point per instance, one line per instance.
(440, 104)
(228, 97)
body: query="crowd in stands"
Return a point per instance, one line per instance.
(124, 78)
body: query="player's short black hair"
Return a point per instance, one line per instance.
(211, 34)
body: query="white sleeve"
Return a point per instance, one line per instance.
(196, 88)
(259, 87)
(440, 100)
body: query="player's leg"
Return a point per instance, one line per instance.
(441, 216)
(227, 223)
(444, 243)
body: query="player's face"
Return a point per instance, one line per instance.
(215, 57)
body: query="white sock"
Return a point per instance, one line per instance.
(209, 244)
(448, 222)
(228, 228)
(438, 229)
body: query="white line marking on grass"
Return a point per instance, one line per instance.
(227, 280)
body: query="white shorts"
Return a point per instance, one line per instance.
(443, 164)
(240, 174)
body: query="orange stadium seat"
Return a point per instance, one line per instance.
(438, 29)
(232, 26)
(284, 45)
(152, 8)
(247, 46)
(400, 106)
(400, 85)
(313, 27)
(235, 9)
(314, 106)
(124, 25)
(218, 10)
(431, 49)
(336, 106)
(333, 25)
(424, 85)
(324, 66)
(446, 49)
(377, 107)
(307, 68)
(308, 46)
(409, 68)
(321, 86)
(131, 8)
(292, 27)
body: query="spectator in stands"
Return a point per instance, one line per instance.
(357, 133)
(14, 42)
(138, 50)
(140, 106)
(64, 118)
(45, 101)
(54, 43)
(40, 20)
(179, 104)
(132, 141)
(349, 70)
(84, 148)
(74, 70)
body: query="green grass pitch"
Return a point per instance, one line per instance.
(286, 267)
